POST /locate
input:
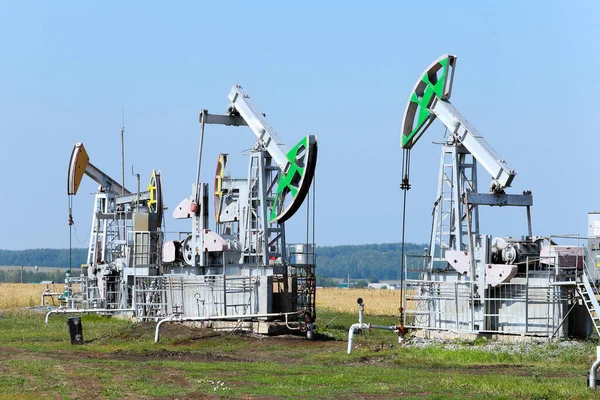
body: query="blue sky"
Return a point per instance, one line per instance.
(525, 78)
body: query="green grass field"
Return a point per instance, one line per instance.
(120, 360)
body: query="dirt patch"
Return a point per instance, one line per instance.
(499, 369)
(169, 355)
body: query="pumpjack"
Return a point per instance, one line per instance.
(469, 281)
(243, 268)
(125, 238)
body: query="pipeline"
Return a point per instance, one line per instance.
(287, 324)
(310, 334)
(594, 370)
(49, 294)
(357, 328)
(354, 329)
(179, 318)
(93, 310)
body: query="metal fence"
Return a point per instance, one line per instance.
(534, 302)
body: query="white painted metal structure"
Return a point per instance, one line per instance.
(469, 282)
(242, 268)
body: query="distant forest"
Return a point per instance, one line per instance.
(13, 275)
(57, 258)
(365, 261)
(48, 260)
(370, 262)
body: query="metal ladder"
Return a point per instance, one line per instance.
(586, 292)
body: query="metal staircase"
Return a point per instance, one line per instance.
(587, 294)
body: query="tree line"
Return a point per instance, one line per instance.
(57, 258)
(52, 263)
(16, 275)
(368, 262)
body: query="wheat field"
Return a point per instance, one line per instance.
(17, 295)
(377, 301)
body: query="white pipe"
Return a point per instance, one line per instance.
(288, 326)
(594, 369)
(355, 328)
(358, 327)
(92, 310)
(49, 294)
(387, 328)
(309, 331)
(178, 318)
(361, 309)
(159, 323)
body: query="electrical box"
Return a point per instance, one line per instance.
(140, 221)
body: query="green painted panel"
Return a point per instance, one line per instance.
(423, 102)
(288, 183)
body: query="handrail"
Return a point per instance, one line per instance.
(590, 290)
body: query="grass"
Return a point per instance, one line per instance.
(120, 359)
